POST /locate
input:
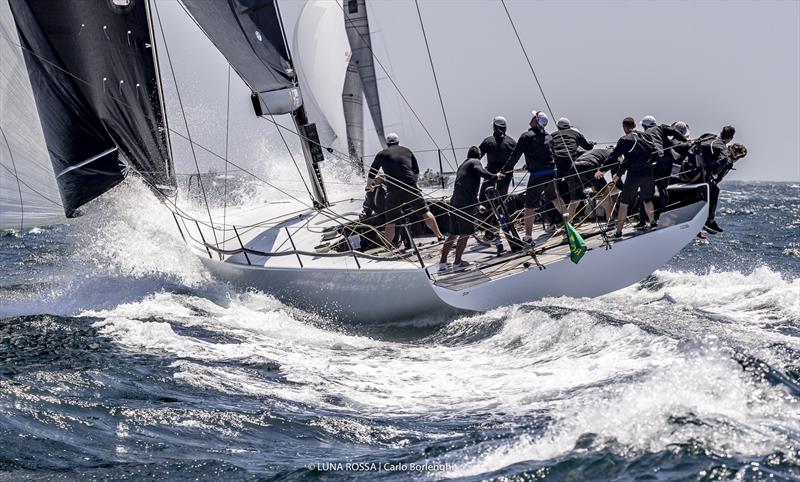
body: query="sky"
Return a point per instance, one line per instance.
(708, 63)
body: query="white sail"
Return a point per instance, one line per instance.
(321, 54)
(28, 192)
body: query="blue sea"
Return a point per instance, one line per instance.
(121, 358)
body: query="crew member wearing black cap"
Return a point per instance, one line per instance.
(400, 169)
(463, 201)
(497, 148)
(638, 149)
(536, 144)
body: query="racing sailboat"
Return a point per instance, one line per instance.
(96, 71)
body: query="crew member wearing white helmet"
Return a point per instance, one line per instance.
(536, 144)
(568, 145)
(400, 171)
(497, 148)
(648, 121)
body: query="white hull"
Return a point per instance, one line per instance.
(599, 272)
(379, 291)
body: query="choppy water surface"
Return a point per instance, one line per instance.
(121, 359)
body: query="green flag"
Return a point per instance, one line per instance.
(577, 246)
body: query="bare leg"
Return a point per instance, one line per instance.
(461, 245)
(529, 212)
(448, 243)
(559, 204)
(430, 221)
(388, 233)
(623, 213)
(572, 209)
(607, 204)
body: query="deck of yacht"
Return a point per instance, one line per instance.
(300, 238)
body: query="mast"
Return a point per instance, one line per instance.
(312, 152)
(309, 137)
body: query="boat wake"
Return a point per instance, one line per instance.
(142, 361)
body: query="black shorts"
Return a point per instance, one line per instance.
(563, 187)
(577, 184)
(587, 172)
(539, 186)
(461, 221)
(501, 186)
(663, 172)
(408, 200)
(641, 182)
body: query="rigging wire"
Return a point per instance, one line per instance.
(227, 131)
(436, 80)
(289, 150)
(539, 84)
(268, 69)
(394, 84)
(185, 122)
(32, 188)
(19, 186)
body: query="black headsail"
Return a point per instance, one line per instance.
(250, 36)
(249, 33)
(92, 69)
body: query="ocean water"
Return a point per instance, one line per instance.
(122, 359)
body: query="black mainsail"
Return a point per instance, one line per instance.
(93, 74)
(249, 34)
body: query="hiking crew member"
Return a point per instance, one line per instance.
(715, 160)
(463, 201)
(638, 150)
(536, 144)
(567, 143)
(497, 148)
(401, 170)
(662, 136)
(586, 165)
(680, 150)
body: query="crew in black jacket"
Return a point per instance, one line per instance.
(401, 170)
(638, 149)
(715, 160)
(463, 202)
(662, 136)
(497, 148)
(536, 144)
(567, 145)
(586, 165)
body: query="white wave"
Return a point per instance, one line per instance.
(128, 232)
(621, 366)
(723, 409)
